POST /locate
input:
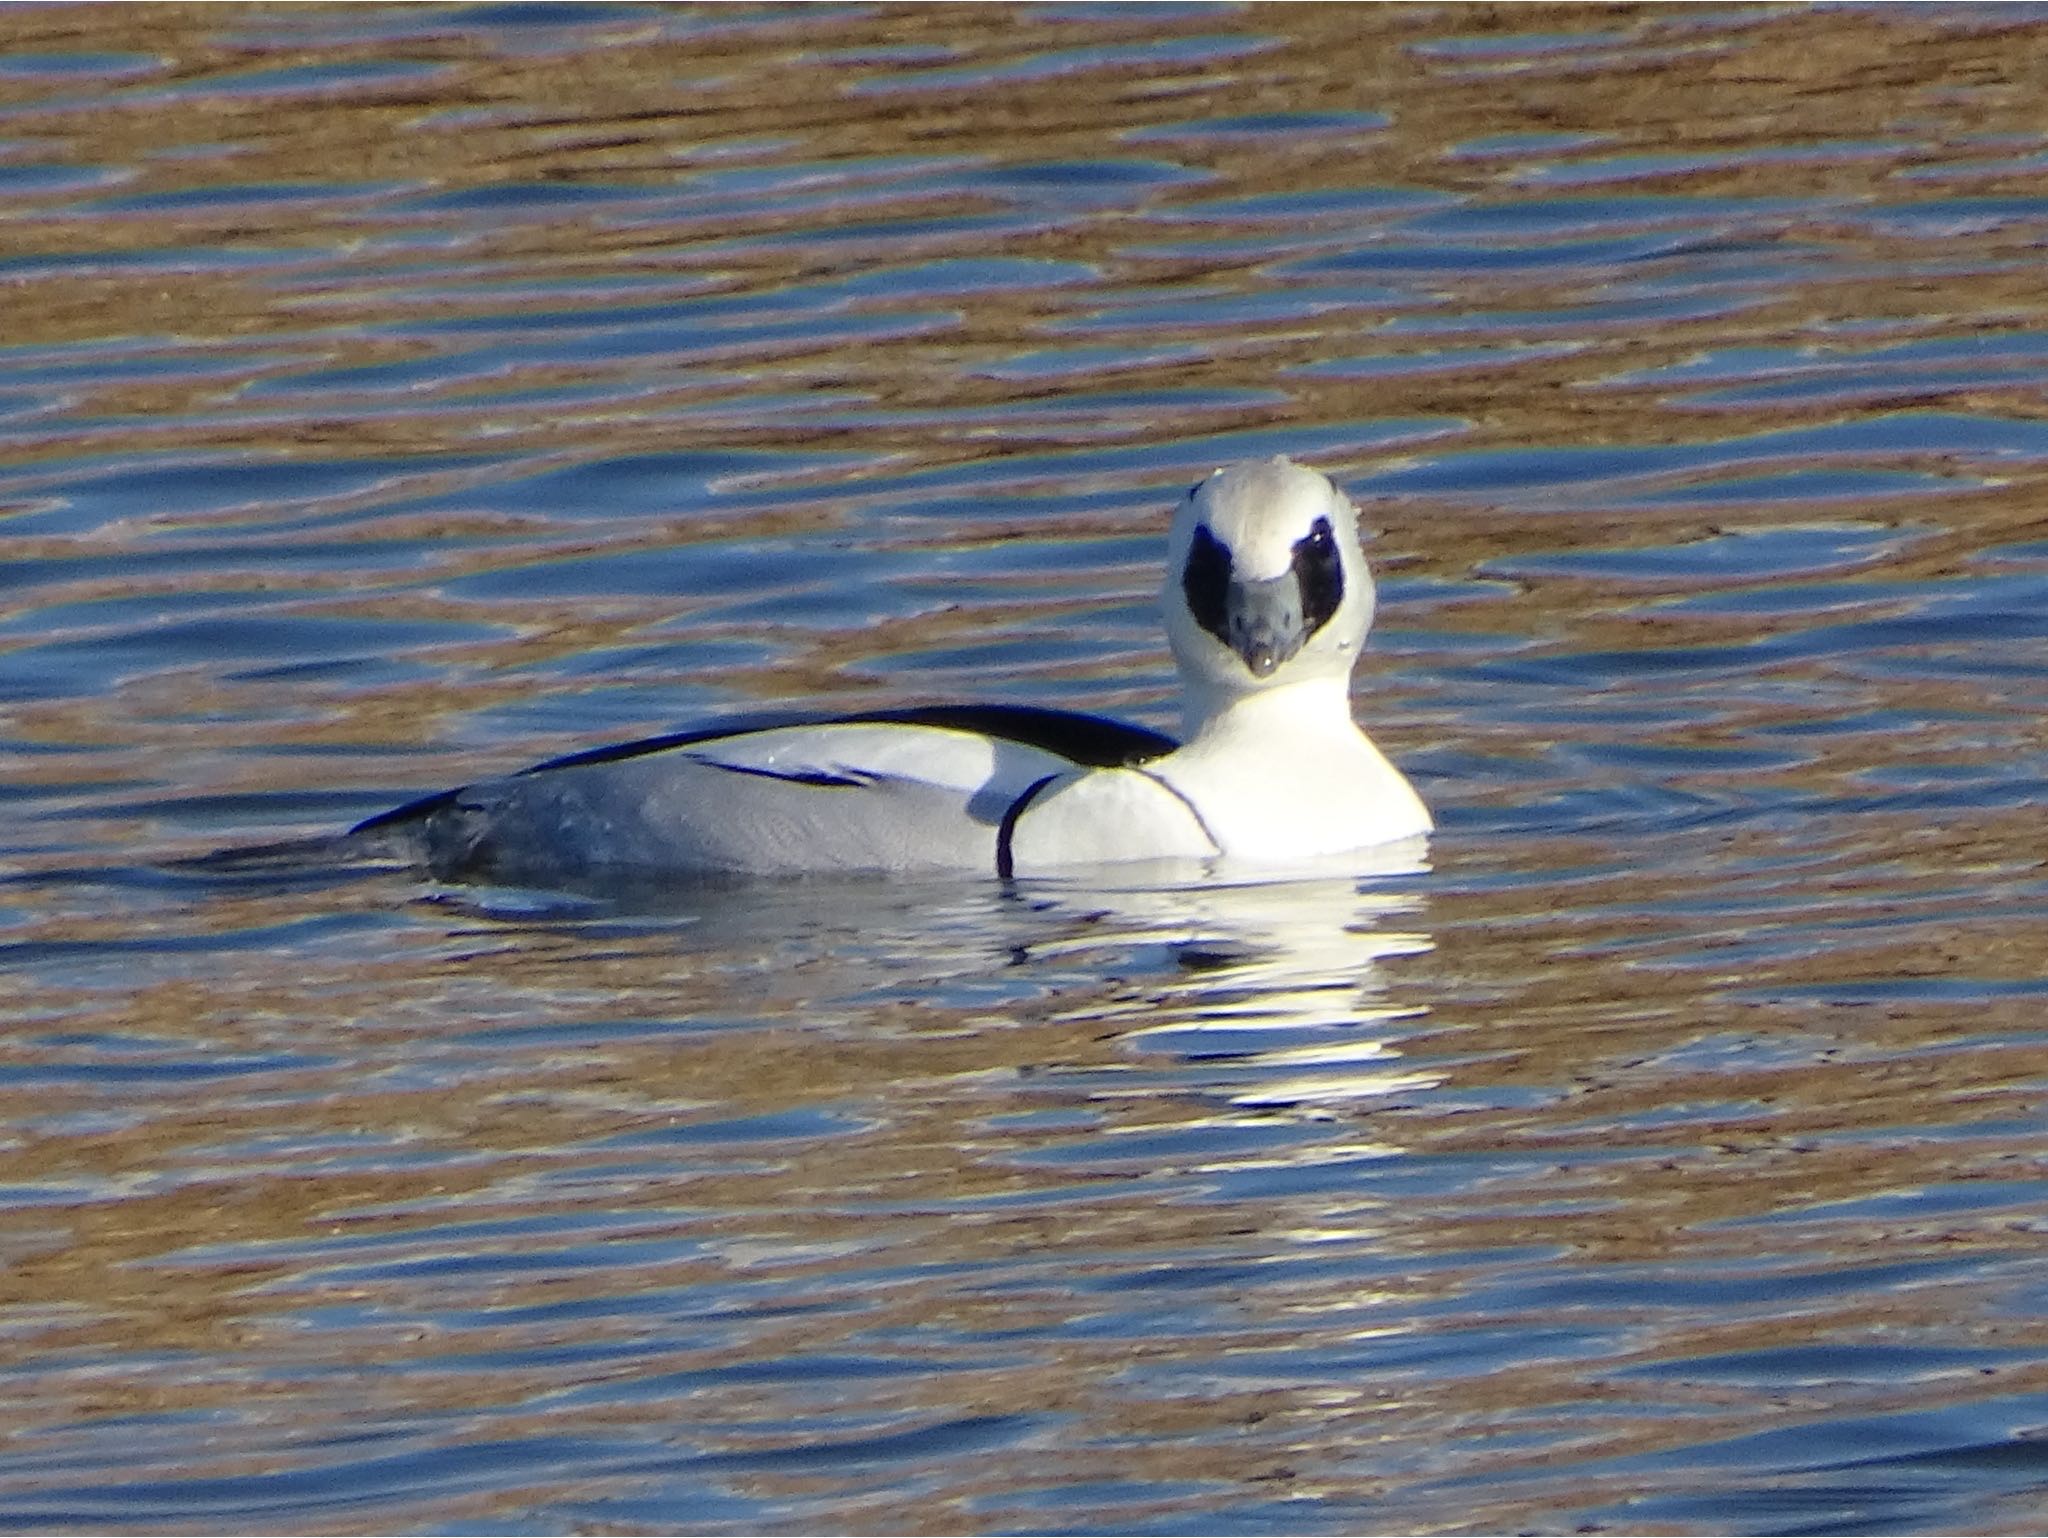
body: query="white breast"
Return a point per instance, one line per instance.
(1096, 816)
(1309, 794)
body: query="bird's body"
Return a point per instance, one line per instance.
(1267, 601)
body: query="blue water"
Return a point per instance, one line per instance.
(395, 396)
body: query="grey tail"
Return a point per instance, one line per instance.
(331, 854)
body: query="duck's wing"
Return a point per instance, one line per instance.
(1093, 742)
(1080, 738)
(899, 790)
(1089, 741)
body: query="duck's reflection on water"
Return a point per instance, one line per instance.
(1269, 993)
(1273, 990)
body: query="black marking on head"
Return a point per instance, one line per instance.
(1319, 572)
(1205, 583)
(1265, 622)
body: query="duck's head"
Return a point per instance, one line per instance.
(1265, 581)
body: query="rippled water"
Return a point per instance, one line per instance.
(392, 396)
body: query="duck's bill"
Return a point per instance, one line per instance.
(1263, 623)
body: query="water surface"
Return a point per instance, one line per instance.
(394, 396)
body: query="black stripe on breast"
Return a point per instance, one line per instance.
(1006, 860)
(1193, 810)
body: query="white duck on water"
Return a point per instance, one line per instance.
(1267, 600)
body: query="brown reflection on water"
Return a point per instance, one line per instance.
(693, 92)
(897, 1232)
(649, 108)
(1631, 1047)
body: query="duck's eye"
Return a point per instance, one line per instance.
(1320, 571)
(1193, 489)
(1205, 583)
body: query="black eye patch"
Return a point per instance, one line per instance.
(1205, 582)
(1319, 573)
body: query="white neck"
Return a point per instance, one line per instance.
(1314, 706)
